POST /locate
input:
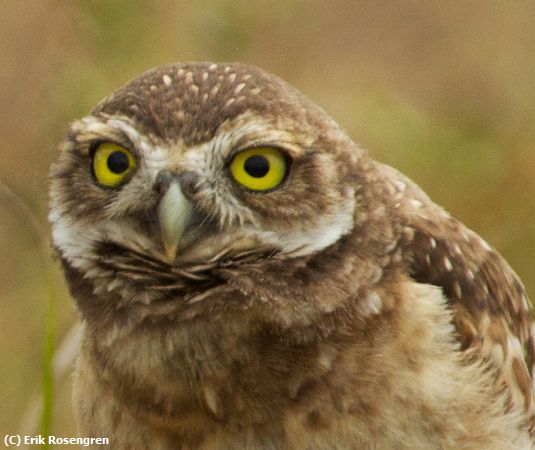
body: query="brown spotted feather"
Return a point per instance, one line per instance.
(492, 314)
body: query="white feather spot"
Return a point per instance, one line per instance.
(390, 189)
(408, 232)
(400, 185)
(447, 264)
(326, 358)
(113, 284)
(255, 91)
(167, 80)
(239, 88)
(378, 212)
(457, 289)
(384, 261)
(229, 102)
(376, 276)
(415, 203)
(514, 346)
(433, 243)
(214, 90)
(204, 76)
(194, 89)
(232, 77)
(373, 303)
(212, 67)
(397, 256)
(361, 218)
(498, 354)
(210, 400)
(393, 244)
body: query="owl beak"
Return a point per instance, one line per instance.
(174, 212)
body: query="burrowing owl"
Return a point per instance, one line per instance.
(248, 278)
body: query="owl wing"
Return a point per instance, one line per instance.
(491, 311)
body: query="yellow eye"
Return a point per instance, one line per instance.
(112, 164)
(260, 168)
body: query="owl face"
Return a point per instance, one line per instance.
(193, 166)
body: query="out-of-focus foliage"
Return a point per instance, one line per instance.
(444, 91)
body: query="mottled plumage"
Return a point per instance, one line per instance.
(341, 309)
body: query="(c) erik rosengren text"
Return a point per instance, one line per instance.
(16, 440)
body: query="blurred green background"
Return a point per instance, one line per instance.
(444, 91)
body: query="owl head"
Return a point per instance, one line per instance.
(192, 168)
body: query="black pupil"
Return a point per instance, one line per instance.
(118, 162)
(257, 166)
